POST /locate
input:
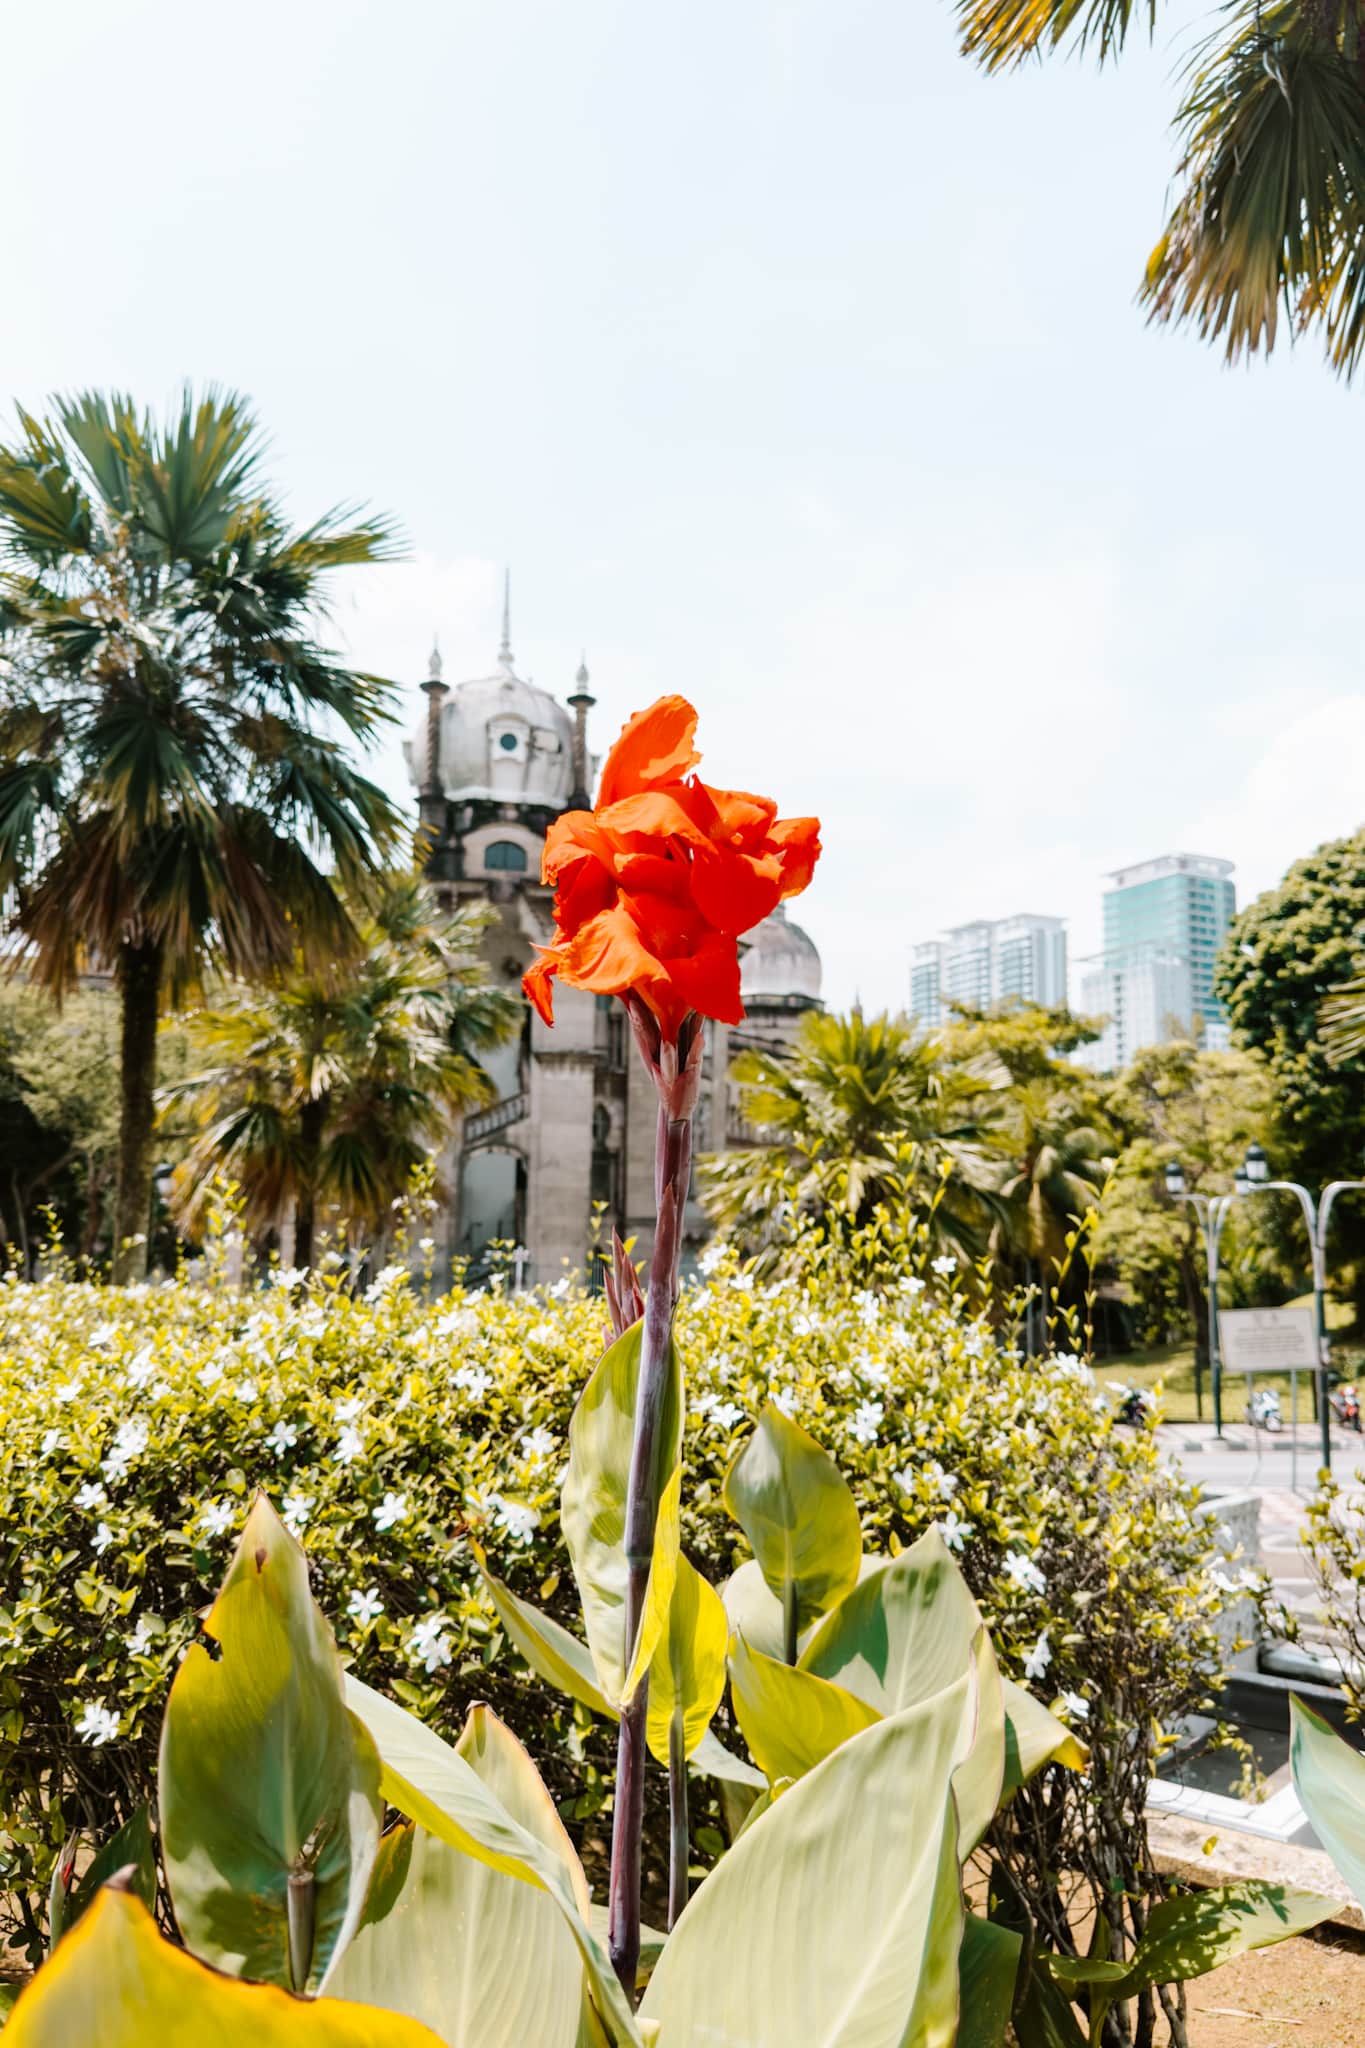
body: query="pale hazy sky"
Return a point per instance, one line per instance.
(789, 362)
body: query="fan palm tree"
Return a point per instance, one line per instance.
(1269, 215)
(862, 1115)
(1055, 1170)
(174, 786)
(325, 1089)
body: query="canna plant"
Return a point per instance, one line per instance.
(883, 1741)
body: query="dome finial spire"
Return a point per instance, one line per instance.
(434, 661)
(505, 651)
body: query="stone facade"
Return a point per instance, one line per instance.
(495, 760)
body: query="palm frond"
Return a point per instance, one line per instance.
(1270, 217)
(1000, 33)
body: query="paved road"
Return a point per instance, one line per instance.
(1284, 1482)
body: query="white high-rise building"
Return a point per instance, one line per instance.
(1164, 922)
(986, 963)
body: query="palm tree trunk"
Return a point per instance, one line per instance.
(312, 1122)
(139, 983)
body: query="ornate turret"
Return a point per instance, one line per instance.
(431, 796)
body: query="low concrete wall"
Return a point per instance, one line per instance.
(1238, 1516)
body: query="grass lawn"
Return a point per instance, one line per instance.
(1173, 1366)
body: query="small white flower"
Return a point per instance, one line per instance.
(98, 1724)
(869, 1307)
(142, 1370)
(538, 1444)
(365, 1607)
(386, 1281)
(140, 1641)
(912, 1284)
(725, 1415)
(296, 1510)
(472, 1380)
(1073, 1705)
(210, 1374)
(458, 1322)
(426, 1244)
(115, 1466)
(514, 1517)
(428, 1645)
(954, 1530)
(867, 1422)
(350, 1409)
(288, 1277)
(218, 1518)
(131, 1438)
(392, 1509)
(710, 1257)
(1022, 1572)
(783, 1398)
(1039, 1657)
(245, 1392)
(68, 1392)
(282, 1438)
(945, 1483)
(350, 1444)
(91, 1496)
(102, 1538)
(52, 1441)
(545, 1335)
(559, 1290)
(945, 1265)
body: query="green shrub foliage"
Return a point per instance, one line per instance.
(395, 1434)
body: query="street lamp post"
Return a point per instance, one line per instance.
(1317, 1216)
(1212, 1211)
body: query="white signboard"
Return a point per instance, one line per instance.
(1267, 1339)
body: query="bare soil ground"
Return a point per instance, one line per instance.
(1303, 1994)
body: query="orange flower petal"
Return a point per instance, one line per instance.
(796, 842)
(537, 985)
(655, 747)
(734, 891)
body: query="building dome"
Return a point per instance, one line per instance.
(781, 962)
(501, 737)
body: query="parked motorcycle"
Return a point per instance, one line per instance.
(1136, 1406)
(1263, 1410)
(1346, 1407)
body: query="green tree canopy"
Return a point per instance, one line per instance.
(175, 789)
(325, 1089)
(1268, 215)
(1283, 956)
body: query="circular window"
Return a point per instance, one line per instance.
(508, 742)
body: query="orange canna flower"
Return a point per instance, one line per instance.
(655, 887)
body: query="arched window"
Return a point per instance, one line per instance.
(506, 856)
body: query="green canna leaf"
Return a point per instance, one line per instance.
(987, 1969)
(903, 1633)
(116, 1983)
(434, 1785)
(836, 1917)
(1329, 1777)
(563, 1661)
(515, 1974)
(130, 1849)
(1191, 1935)
(1034, 1737)
(593, 1504)
(795, 1507)
(266, 1777)
(687, 1672)
(791, 1719)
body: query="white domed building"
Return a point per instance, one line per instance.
(495, 760)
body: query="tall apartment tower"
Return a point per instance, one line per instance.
(1164, 922)
(986, 963)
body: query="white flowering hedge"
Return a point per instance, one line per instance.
(390, 1430)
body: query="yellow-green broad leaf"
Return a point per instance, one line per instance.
(437, 1787)
(687, 1671)
(564, 1662)
(116, 1983)
(791, 1719)
(903, 1634)
(835, 1919)
(1329, 1777)
(593, 1511)
(987, 1969)
(905, 1631)
(269, 1786)
(795, 1507)
(484, 1959)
